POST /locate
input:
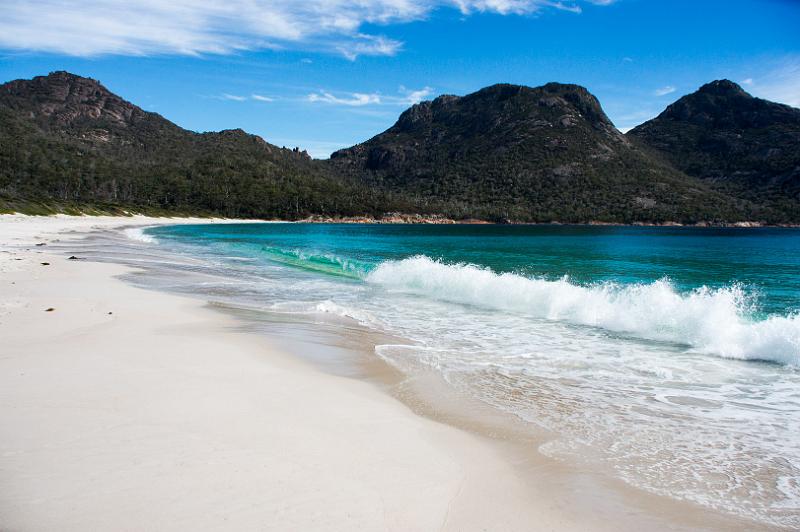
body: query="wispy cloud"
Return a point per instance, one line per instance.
(519, 7)
(410, 97)
(232, 97)
(355, 99)
(405, 97)
(226, 96)
(663, 91)
(195, 27)
(369, 45)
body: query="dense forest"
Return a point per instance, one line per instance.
(505, 153)
(66, 141)
(533, 154)
(744, 146)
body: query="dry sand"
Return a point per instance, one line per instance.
(126, 409)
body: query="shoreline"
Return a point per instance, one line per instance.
(435, 219)
(167, 415)
(398, 218)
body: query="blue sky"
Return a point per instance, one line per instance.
(324, 74)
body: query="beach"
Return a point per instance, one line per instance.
(129, 409)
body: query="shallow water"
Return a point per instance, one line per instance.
(669, 355)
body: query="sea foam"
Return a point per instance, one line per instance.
(716, 321)
(138, 234)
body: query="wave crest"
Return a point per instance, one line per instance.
(326, 263)
(138, 234)
(717, 321)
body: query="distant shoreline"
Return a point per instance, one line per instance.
(434, 219)
(395, 218)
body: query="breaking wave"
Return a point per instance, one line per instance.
(718, 321)
(138, 234)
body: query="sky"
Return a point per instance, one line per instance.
(326, 74)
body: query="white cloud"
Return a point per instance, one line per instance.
(405, 98)
(262, 98)
(519, 7)
(369, 45)
(410, 97)
(503, 7)
(748, 81)
(232, 97)
(193, 27)
(663, 91)
(355, 99)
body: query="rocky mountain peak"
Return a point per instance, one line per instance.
(505, 105)
(62, 99)
(723, 87)
(723, 104)
(722, 133)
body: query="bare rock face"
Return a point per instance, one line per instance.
(62, 99)
(77, 108)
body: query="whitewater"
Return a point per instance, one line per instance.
(716, 321)
(668, 357)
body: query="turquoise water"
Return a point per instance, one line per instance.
(667, 355)
(766, 260)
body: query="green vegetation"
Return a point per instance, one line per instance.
(68, 143)
(505, 153)
(533, 154)
(737, 144)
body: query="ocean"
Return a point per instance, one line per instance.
(669, 356)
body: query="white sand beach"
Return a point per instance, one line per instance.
(123, 409)
(127, 409)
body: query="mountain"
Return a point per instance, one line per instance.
(530, 154)
(735, 142)
(67, 140)
(504, 153)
